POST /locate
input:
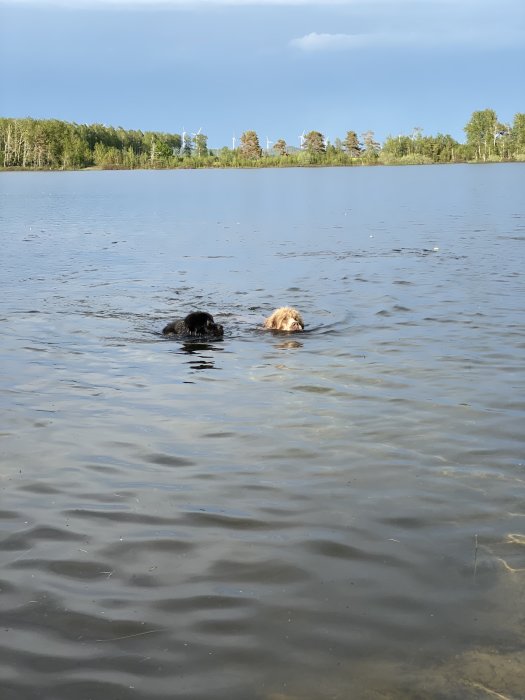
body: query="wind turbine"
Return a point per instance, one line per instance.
(268, 144)
(183, 140)
(301, 139)
(233, 142)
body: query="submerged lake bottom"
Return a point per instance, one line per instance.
(336, 513)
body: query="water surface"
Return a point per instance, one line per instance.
(332, 514)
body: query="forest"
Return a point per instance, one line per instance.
(50, 144)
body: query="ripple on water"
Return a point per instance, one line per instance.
(331, 515)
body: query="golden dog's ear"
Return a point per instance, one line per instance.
(274, 320)
(270, 321)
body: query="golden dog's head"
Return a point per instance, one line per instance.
(285, 319)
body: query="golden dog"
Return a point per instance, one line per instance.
(285, 319)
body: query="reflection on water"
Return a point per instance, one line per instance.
(289, 344)
(202, 354)
(335, 514)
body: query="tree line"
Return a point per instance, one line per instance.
(43, 144)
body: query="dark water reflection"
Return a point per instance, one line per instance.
(332, 515)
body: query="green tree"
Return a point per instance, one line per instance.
(352, 145)
(186, 145)
(226, 156)
(371, 146)
(503, 141)
(417, 139)
(129, 158)
(482, 131)
(280, 147)
(518, 135)
(107, 157)
(314, 143)
(76, 153)
(201, 145)
(250, 147)
(162, 152)
(396, 147)
(441, 148)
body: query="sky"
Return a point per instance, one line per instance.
(278, 67)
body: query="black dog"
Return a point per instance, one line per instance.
(198, 323)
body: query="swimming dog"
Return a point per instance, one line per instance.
(285, 319)
(196, 324)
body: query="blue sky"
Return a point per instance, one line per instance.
(275, 66)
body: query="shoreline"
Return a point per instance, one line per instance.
(98, 168)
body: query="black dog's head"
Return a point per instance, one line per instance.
(196, 324)
(202, 323)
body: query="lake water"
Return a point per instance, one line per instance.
(332, 514)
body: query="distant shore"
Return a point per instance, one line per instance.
(51, 144)
(378, 163)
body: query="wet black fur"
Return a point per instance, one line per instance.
(198, 323)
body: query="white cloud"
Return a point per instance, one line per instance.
(482, 36)
(332, 42)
